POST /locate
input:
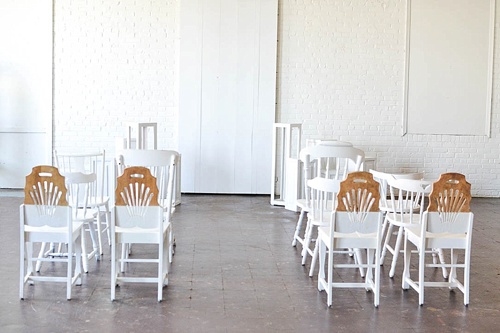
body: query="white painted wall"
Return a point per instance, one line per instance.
(340, 73)
(25, 88)
(115, 62)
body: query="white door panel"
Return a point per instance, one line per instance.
(25, 88)
(227, 94)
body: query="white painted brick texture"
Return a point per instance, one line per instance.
(340, 73)
(115, 62)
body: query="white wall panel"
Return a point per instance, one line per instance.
(25, 88)
(227, 94)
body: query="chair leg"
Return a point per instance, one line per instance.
(298, 227)
(329, 285)
(124, 255)
(170, 244)
(161, 255)
(369, 263)
(85, 259)
(314, 259)
(376, 278)
(41, 254)
(453, 269)
(114, 264)
(388, 235)
(397, 248)
(406, 269)
(95, 242)
(466, 277)
(384, 229)
(69, 272)
(421, 270)
(358, 258)
(22, 265)
(78, 261)
(108, 222)
(321, 270)
(99, 231)
(307, 241)
(442, 262)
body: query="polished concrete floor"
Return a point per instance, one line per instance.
(235, 271)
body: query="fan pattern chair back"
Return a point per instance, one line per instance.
(46, 217)
(446, 225)
(138, 219)
(162, 164)
(355, 224)
(45, 189)
(329, 162)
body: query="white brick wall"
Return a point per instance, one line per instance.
(115, 62)
(340, 73)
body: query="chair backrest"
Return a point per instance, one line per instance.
(408, 198)
(358, 205)
(136, 187)
(449, 205)
(81, 188)
(161, 164)
(331, 161)
(45, 200)
(322, 194)
(383, 177)
(87, 162)
(356, 211)
(136, 198)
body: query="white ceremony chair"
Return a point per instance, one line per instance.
(162, 165)
(80, 194)
(408, 198)
(355, 223)
(446, 224)
(328, 161)
(91, 162)
(46, 217)
(386, 203)
(79, 188)
(138, 219)
(316, 164)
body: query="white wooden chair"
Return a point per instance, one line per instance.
(138, 219)
(80, 194)
(315, 163)
(79, 188)
(355, 223)
(386, 203)
(446, 224)
(46, 217)
(91, 162)
(408, 198)
(331, 162)
(162, 165)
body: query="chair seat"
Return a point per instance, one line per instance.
(135, 230)
(98, 201)
(85, 216)
(47, 229)
(303, 205)
(388, 206)
(326, 232)
(436, 240)
(405, 221)
(349, 240)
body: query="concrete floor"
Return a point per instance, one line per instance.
(235, 271)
